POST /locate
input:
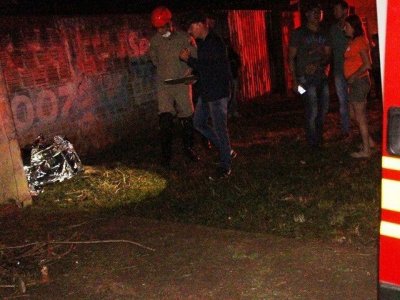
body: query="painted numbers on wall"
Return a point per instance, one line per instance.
(44, 107)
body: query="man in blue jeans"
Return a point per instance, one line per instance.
(212, 65)
(309, 55)
(339, 44)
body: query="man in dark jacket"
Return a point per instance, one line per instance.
(212, 65)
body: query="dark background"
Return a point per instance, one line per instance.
(73, 7)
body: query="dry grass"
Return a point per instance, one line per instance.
(278, 185)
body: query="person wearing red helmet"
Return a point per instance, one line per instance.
(173, 100)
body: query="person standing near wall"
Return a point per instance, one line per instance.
(339, 44)
(213, 68)
(173, 100)
(357, 62)
(309, 55)
(235, 63)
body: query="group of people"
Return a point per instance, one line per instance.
(201, 51)
(176, 55)
(310, 52)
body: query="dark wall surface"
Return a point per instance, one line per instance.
(88, 78)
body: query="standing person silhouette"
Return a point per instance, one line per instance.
(339, 42)
(357, 62)
(173, 100)
(213, 68)
(309, 55)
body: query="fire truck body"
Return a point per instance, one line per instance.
(389, 245)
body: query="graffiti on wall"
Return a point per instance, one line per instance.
(82, 82)
(93, 110)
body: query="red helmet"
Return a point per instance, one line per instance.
(160, 16)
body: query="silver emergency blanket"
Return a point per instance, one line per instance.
(51, 163)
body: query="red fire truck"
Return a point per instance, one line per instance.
(389, 249)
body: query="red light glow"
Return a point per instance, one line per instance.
(249, 39)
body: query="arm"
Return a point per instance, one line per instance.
(190, 45)
(326, 59)
(216, 55)
(292, 66)
(364, 67)
(322, 63)
(153, 53)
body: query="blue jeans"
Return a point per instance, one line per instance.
(316, 102)
(218, 133)
(341, 91)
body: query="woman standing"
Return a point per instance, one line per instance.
(357, 62)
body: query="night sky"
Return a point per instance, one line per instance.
(84, 7)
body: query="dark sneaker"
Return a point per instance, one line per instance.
(221, 174)
(233, 154)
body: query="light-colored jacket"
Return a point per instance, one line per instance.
(164, 53)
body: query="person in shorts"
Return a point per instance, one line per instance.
(357, 62)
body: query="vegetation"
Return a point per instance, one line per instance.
(278, 184)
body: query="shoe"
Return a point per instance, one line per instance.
(360, 154)
(221, 174)
(233, 154)
(191, 154)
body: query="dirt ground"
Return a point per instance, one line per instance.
(189, 262)
(196, 262)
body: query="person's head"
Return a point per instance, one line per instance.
(196, 23)
(210, 19)
(313, 12)
(161, 18)
(340, 9)
(353, 26)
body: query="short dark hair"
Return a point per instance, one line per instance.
(193, 17)
(310, 5)
(342, 3)
(356, 24)
(211, 14)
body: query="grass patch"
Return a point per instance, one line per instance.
(279, 186)
(103, 188)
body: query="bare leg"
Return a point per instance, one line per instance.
(361, 118)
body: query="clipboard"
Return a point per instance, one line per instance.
(186, 79)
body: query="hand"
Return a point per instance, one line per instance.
(191, 82)
(294, 86)
(184, 54)
(310, 69)
(188, 72)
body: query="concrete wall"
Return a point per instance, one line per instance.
(88, 78)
